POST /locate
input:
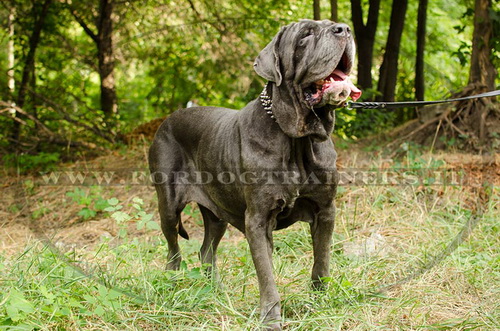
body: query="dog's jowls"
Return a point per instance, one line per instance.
(266, 166)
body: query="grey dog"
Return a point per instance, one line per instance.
(284, 131)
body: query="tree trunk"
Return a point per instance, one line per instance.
(389, 69)
(106, 58)
(316, 10)
(482, 70)
(29, 62)
(334, 10)
(104, 44)
(365, 36)
(419, 66)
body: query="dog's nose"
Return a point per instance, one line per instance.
(341, 30)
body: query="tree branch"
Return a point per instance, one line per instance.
(82, 23)
(191, 4)
(21, 111)
(59, 109)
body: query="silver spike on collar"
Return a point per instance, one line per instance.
(266, 102)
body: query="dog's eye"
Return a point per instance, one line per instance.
(306, 37)
(308, 33)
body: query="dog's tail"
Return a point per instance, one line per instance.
(182, 231)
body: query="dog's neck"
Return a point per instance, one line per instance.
(267, 102)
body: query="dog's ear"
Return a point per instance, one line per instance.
(267, 63)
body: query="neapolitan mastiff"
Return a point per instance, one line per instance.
(253, 168)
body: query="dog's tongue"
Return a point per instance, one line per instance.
(339, 80)
(338, 75)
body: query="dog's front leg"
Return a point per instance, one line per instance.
(258, 230)
(322, 231)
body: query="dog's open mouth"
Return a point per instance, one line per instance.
(334, 89)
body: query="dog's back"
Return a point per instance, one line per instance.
(188, 126)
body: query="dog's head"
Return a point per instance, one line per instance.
(309, 63)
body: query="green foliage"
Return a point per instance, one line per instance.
(28, 163)
(194, 212)
(143, 220)
(17, 307)
(414, 158)
(93, 204)
(357, 123)
(106, 302)
(463, 53)
(91, 201)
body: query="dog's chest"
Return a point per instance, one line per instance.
(311, 183)
(315, 162)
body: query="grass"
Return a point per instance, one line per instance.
(117, 282)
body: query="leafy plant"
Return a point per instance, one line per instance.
(17, 307)
(29, 187)
(92, 202)
(39, 212)
(105, 300)
(142, 219)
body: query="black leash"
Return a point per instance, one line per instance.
(389, 105)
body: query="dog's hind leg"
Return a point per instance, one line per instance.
(214, 230)
(171, 226)
(164, 159)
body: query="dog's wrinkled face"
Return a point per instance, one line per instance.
(323, 56)
(310, 62)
